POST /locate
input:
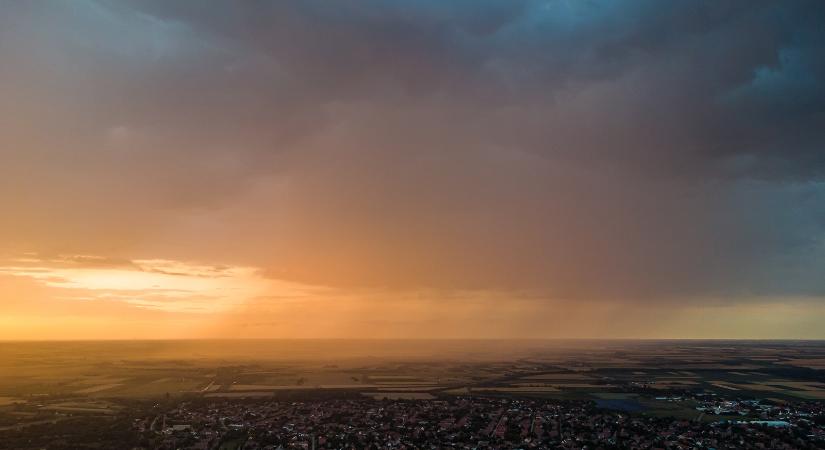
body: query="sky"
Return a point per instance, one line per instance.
(412, 169)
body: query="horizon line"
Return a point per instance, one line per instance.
(629, 339)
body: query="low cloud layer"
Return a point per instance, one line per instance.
(626, 152)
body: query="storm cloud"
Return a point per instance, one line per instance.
(633, 151)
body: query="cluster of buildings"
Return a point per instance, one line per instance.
(467, 423)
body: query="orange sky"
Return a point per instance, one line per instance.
(86, 297)
(519, 169)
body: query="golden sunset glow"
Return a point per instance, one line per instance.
(93, 297)
(157, 284)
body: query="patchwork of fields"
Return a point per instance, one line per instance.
(95, 377)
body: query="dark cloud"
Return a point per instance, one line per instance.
(606, 150)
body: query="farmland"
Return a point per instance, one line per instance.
(95, 377)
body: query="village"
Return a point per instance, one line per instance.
(476, 423)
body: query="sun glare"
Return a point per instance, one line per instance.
(161, 284)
